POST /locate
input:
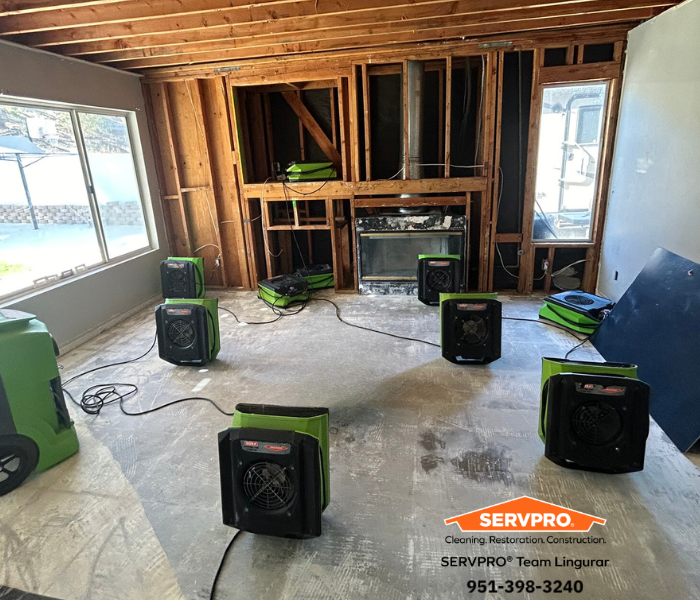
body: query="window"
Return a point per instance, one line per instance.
(70, 198)
(568, 160)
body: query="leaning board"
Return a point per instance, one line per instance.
(656, 325)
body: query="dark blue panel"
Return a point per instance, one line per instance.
(656, 325)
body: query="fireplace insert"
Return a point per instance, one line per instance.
(388, 247)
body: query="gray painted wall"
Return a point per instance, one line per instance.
(655, 190)
(74, 309)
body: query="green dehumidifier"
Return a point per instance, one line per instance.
(275, 478)
(36, 431)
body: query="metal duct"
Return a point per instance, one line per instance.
(415, 72)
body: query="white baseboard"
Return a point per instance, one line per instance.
(95, 331)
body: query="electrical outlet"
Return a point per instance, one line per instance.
(545, 265)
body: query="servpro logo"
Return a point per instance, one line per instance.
(527, 515)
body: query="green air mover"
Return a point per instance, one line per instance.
(317, 277)
(593, 416)
(470, 328)
(576, 310)
(275, 478)
(283, 290)
(36, 431)
(308, 171)
(182, 277)
(188, 331)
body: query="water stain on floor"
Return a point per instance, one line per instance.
(430, 462)
(430, 441)
(489, 465)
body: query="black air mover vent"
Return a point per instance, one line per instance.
(440, 280)
(579, 300)
(267, 485)
(181, 334)
(471, 331)
(596, 423)
(178, 283)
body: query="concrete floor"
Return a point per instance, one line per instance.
(416, 439)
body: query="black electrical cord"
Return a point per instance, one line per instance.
(221, 564)
(577, 346)
(116, 364)
(400, 337)
(96, 397)
(249, 322)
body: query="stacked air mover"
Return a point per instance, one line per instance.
(594, 416)
(283, 290)
(182, 278)
(187, 324)
(36, 431)
(438, 274)
(274, 470)
(470, 328)
(576, 310)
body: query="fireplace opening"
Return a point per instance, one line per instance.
(388, 248)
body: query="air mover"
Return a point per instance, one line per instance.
(470, 328)
(593, 416)
(308, 171)
(36, 431)
(188, 331)
(438, 274)
(317, 277)
(575, 310)
(283, 290)
(182, 278)
(275, 478)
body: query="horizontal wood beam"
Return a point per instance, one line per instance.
(313, 128)
(304, 67)
(241, 23)
(25, 7)
(348, 189)
(582, 72)
(82, 14)
(402, 32)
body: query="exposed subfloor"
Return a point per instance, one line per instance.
(415, 439)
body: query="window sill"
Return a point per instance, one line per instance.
(28, 293)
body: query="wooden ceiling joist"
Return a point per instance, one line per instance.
(360, 38)
(153, 34)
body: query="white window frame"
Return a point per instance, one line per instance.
(140, 172)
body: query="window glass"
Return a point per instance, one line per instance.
(114, 179)
(568, 160)
(46, 225)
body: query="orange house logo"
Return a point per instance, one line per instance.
(525, 514)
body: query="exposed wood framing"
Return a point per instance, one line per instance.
(144, 35)
(448, 115)
(368, 129)
(313, 128)
(496, 175)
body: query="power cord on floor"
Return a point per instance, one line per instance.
(96, 397)
(577, 346)
(212, 594)
(115, 364)
(400, 337)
